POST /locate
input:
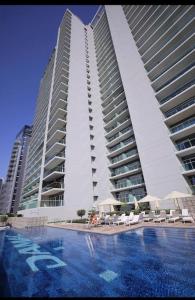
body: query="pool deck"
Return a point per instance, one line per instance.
(113, 229)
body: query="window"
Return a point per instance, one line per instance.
(91, 136)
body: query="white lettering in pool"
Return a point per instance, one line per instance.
(26, 246)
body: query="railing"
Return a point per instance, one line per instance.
(188, 143)
(61, 154)
(180, 107)
(117, 124)
(189, 164)
(182, 125)
(125, 169)
(52, 202)
(123, 156)
(173, 63)
(178, 91)
(175, 77)
(57, 169)
(119, 133)
(121, 144)
(54, 185)
(129, 184)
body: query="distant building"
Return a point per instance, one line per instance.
(11, 190)
(115, 112)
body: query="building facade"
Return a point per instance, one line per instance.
(116, 110)
(12, 187)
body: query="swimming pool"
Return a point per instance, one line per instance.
(143, 262)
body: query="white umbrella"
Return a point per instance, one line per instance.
(109, 202)
(177, 195)
(150, 198)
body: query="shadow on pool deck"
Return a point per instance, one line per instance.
(113, 229)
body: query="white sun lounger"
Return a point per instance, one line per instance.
(161, 218)
(175, 217)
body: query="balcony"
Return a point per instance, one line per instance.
(127, 185)
(182, 129)
(189, 166)
(177, 86)
(178, 99)
(115, 110)
(122, 147)
(123, 158)
(51, 163)
(180, 112)
(58, 125)
(118, 127)
(54, 173)
(130, 171)
(166, 31)
(52, 202)
(186, 147)
(113, 95)
(59, 114)
(181, 36)
(120, 136)
(174, 71)
(52, 189)
(114, 102)
(121, 114)
(56, 137)
(56, 148)
(59, 104)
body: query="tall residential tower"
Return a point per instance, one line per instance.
(12, 188)
(116, 111)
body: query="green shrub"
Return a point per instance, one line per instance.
(167, 211)
(79, 220)
(11, 215)
(81, 212)
(3, 218)
(19, 215)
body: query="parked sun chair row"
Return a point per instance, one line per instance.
(174, 216)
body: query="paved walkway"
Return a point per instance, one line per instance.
(112, 229)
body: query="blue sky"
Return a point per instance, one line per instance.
(28, 34)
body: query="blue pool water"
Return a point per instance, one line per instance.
(53, 262)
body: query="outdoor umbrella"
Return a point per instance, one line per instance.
(109, 203)
(150, 198)
(136, 203)
(175, 196)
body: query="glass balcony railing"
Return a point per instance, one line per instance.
(180, 107)
(189, 164)
(122, 144)
(57, 169)
(183, 125)
(117, 124)
(175, 77)
(52, 202)
(129, 183)
(61, 154)
(54, 185)
(123, 156)
(119, 133)
(178, 91)
(173, 63)
(125, 169)
(187, 143)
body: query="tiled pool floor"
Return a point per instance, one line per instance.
(51, 262)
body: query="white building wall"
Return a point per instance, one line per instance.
(160, 166)
(78, 177)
